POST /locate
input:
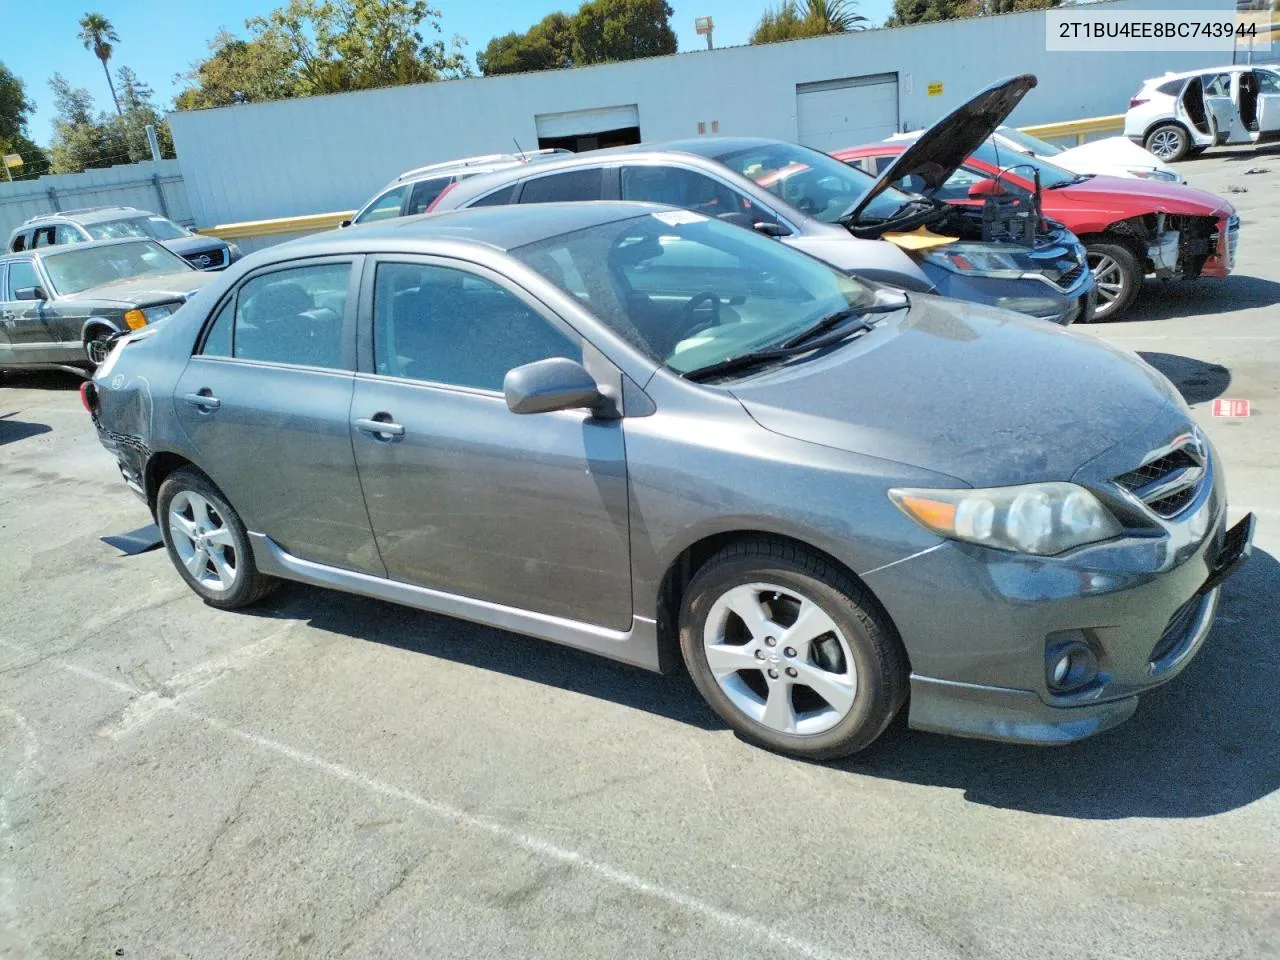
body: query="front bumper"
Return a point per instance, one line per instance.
(1226, 243)
(1032, 295)
(980, 671)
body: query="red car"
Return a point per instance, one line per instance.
(1130, 228)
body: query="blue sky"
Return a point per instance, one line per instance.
(161, 38)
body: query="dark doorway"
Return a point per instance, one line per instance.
(580, 143)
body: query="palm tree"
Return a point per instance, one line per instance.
(97, 34)
(836, 16)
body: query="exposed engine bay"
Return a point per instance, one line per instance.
(1173, 246)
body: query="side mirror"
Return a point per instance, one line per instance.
(984, 188)
(344, 223)
(553, 384)
(30, 293)
(770, 229)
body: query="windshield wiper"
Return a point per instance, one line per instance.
(1078, 178)
(806, 341)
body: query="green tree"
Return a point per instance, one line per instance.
(15, 110)
(605, 31)
(78, 140)
(312, 47)
(97, 34)
(929, 11)
(127, 133)
(793, 20)
(548, 45)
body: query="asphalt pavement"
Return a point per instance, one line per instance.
(331, 776)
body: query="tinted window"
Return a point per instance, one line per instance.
(21, 274)
(443, 325)
(686, 188)
(1171, 88)
(385, 207)
(425, 192)
(293, 316)
(571, 185)
(499, 198)
(689, 291)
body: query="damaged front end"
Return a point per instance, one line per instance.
(1182, 246)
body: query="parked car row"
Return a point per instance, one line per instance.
(718, 418)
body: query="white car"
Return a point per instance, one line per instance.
(1183, 113)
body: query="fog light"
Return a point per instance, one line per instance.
(1070, 666)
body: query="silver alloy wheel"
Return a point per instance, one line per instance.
(1109, 279)
(1166, 143)
(203, 541)
(780, 658)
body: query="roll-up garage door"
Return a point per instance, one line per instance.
(847, 112)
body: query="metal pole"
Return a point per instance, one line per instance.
(53, 199)
(164, 206)
(154, 141)
(7, 175)
(708, 39)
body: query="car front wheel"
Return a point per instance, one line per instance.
(789, 650)
(1169, 142)
(1117, 276)
(207, 542)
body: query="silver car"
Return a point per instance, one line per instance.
(659, 437)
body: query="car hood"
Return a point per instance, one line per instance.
(187, 246)
(1113, 156)
(940, 150)
(157, 289)
(985, 396)
(1123, 194)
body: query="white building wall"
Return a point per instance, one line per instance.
(331, 153)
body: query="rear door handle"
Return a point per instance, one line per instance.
(382, 429)
(205, 401)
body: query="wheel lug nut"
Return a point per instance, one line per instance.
(773, 674)
(790, 651)
(770, 641)
(791, 672)
(759, 654)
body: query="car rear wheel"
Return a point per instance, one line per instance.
(789, 650)
(1169, 142)
(1117, 276)
(207, 542)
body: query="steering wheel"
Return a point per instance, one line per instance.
(698, 299)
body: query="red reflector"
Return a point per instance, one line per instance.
(1136, 102)
(89, 396)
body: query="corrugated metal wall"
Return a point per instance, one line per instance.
(331, 153)
(154, 185)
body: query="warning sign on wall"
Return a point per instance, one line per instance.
(935, 89)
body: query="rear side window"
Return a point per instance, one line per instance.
(44, 237)
(1171, 88)
(425, 193)
(290, 316)
(558, 187)
(499, 198)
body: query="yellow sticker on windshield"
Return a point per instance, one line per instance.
(919, 239)
(674, 218)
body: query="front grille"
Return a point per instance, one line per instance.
(1069, 278)
(1169, 482)
(206, 259)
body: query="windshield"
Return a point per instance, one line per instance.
(152, 228)
(812, 182)
(1020, 164)
(1024, 141)
(688, 291)
(81, 268)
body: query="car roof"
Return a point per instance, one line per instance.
(1229, 68)
(480, 164)
(498, 228)
(89, 215)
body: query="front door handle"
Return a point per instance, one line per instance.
(381, 426)
(204, 401)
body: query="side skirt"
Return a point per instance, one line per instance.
(637, 646)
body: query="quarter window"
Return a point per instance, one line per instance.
(425, 193)
(290, 316)
(385, 207)
(571, 185)
(446, 326)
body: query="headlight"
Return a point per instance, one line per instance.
(1147, 173)
(1038, 518)
(974, 262)
(159, 313)
(1034, 306)
(233, 251)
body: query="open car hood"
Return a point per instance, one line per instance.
(940, 150)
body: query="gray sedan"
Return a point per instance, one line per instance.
(658, 437)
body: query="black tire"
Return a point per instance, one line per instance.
(96, 338)
(877, 653)
(248, 585)
(1118, 260)
(1173, 134)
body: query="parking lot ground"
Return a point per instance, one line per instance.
(332, 776)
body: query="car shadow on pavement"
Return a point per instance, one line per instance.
(1201, 745)
(40, 380)
(1197, 381)
(11, 431)
(1165, 301)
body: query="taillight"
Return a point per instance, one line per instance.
(1137, 101)
(89, 396)
(432, 205)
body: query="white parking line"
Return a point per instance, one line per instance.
(735, 922)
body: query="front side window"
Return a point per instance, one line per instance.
(1217, 84)
(385, 207)
(1051, 175)
(1268, 82)
(291, 316)
(425, 193)
(568, 186)
(689, 291)
(689, 189)
(446, 326)
(81, 267)
(22, 273)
